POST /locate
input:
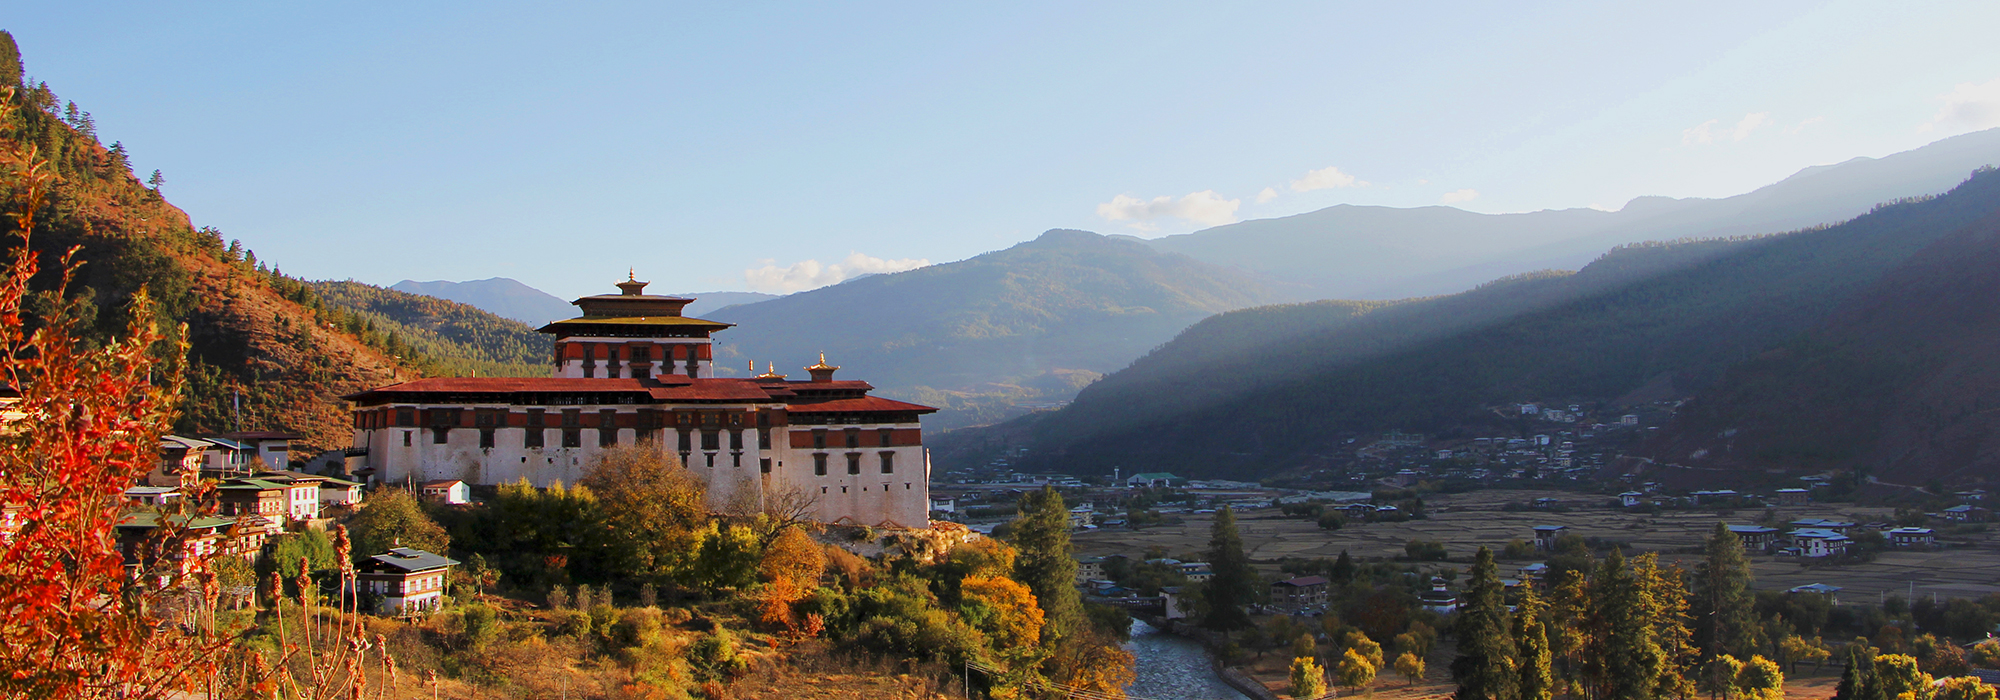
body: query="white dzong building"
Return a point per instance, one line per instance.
(633, 371)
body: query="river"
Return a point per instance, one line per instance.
(1171, 667)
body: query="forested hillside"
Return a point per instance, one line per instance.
(453, 339)
(1219, 400)
(252, 330)
(1902, 383)
(1034, 322)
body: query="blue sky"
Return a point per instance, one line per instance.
(779, 146)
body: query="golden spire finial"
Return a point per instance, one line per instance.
(822, 364)
(631, 274)
(770, 370)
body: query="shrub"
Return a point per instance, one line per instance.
(572, 623)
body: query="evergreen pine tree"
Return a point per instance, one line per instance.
(1343, 569)
(1046, 562)
(1668, 591)
(1724, 620)
(1531, 646)
(1569, 631)
(1233, 584)
(1631, 654)
(1485, 667)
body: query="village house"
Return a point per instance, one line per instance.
(451, 492)
(302, 492)
(1912, 537)
(1299, 594)
(1629, 499)
(195, 540)
(1439, 598)
(1818, 589)
(1545, 536)
(338, 492)
(1088, 570)
(1791, 497)
(1197, 571)
(1816, 543)
(1966, 514)
(1756, 538)
(1828, 524)
(406, 579)
(151, 495)
(272, 447)
(1153, 480)
(1533, 573)
(269, 501)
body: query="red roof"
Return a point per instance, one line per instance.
(860, 405)
(713, 390)
(505, 385)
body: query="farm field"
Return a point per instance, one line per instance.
(1464, 522)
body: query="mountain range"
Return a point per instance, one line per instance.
(1366, 252)
(1266, 390)
(510, 298)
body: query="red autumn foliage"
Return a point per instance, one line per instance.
(75, 622)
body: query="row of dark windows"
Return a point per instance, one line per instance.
(854, 463)
(884, 437)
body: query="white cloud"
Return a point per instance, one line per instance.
(1801, 126)
(810, 274)
(1204, 207)
(1968, 107)
(1751, 122)
(1459, 196)
(1699, 134)
(1267, 195)
(1325, 179)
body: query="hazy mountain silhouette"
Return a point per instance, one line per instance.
(1365, 252)
(500, 296)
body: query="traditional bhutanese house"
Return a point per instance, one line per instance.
(1967, 514)
(267, 500)
(338, 492)
(1631, 498)
(1839, 526)
(1153, 480)
(1089, 569)
(301, 492)
(1912, 537)
(1297, 594)
(193, 540)
(1819, 543)
(632, 370)
(406, 579)
(151, 495)
(451, 492)
(1791, 497)
(1197, 571)
(1532, 573)
(1755, 538)
(1818, 589)
(272, 447)
(1545, 536)
(178, 456)
(1439, 598)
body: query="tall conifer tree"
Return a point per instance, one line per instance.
(1485, 667)
(1046, 562)
(1633, 661)
(1725, 622)
(1531, 646)
(1234, 583)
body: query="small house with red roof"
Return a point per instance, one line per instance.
(634, 371)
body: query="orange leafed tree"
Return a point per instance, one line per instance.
(792, 565)
(85, 426)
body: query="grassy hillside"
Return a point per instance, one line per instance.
(1903, 382)
(1034, 322)
(253, 331)
(1687, 312)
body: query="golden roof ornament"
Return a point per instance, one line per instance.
(770, 370)
(822, 366)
